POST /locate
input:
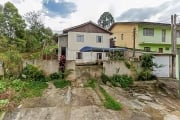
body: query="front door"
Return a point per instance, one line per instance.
(63, 51)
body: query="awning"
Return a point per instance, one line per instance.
(98, 49)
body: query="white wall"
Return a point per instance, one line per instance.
(89, 40)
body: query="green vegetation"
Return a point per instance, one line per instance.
(106, 20)
(123, 80)
(55, 76)
(110, 102)
(91, 83)
(147, 64)
(15, 90)
(117, 80)
(105, 78)
(116, 55)
(31, 72)
(127, 64)
(61, 83)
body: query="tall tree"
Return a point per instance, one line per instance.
(106, 20)
(12, 26)
(37, 35)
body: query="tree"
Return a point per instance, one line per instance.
(147, 65)
(37, 35)
(12, 26)
(106, 20)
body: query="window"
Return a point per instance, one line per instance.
(80, 38)
(99, 39)
(122, 36)
(147, 49)
(148, 32)
(160, 50)
(178, 33)
(178, 50)
(167, 48)
(163, 35)
(78, 55)
(99, 56)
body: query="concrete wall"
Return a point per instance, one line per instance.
(70, 65)
(48, 66)
(116, 67)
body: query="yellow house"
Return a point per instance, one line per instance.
(123, 34)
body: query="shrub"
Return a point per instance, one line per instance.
(3, 86)
(61, 83)
(123, 80)
(18, 85)
(33, 73)
(104, 78)
(55, 76)
(146, 75)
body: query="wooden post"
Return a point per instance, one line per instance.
(134, 38)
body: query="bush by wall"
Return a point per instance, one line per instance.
(31, 72)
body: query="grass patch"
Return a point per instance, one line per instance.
(30, 89)
(61, 83)
(91, 83)
(110, 102)
(16, 90)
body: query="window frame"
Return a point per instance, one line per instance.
(97, 39)
(147, 49)
(79, 55)
(148, 31)
(79, 38)
(163, 35)
(178, 33)
(99, 56)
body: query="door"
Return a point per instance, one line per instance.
(63, 51)
(162, 61)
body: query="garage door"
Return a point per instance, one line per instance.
(164, 70)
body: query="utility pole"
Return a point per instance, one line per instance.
(134, 41)
(173, 43)
(174, 49)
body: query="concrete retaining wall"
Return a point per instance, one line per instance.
(114, 67)
(48, 66)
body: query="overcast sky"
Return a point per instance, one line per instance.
(61, 14)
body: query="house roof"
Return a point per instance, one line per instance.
(84, 24)
(99, 49)
(145, 23)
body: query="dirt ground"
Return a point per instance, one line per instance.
(79, 103)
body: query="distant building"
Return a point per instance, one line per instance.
(149, 36)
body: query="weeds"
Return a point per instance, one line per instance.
(61, 83)
(110, 102)
(91, 83)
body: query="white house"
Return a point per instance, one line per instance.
(87, 34)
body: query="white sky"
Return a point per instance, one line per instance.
(91, 10)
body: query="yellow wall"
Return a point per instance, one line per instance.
(127, 31)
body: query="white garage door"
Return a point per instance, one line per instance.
(164, 70)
